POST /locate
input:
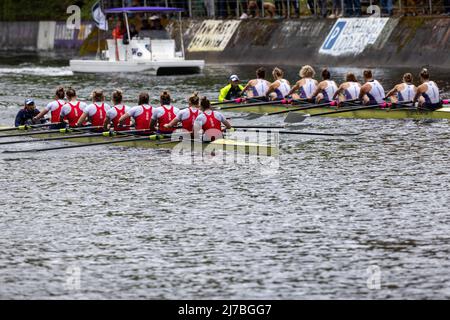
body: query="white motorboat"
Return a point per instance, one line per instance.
(146, 54)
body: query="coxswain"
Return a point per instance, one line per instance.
(403, 92)
(164, 114)
(26, 115)
(280, 87)
(326, 89)
(95, 113)
(259, 86)
(114, 114)
(305, 87)
(54, 108)
(372, 91)
(349, 90)
(427, 94)
(72, 110)
(188, 115)
(232, 91)
(208, 125)
(141, 115)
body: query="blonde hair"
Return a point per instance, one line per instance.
(307, 72)
(277, 72)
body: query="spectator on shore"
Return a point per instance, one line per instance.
(269, 5)
(447, 7)
(253, 8)
(322, 4)
(226, 8)
(278, 7)
(209, 7)
(386, 7)
(296, 5)
(336, 11)
(352, 8)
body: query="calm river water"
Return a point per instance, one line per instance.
(363, 217)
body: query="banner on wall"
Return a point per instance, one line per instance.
(213, 35)
(350, 36)
(71, 38)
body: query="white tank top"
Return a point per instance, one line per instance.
(376, 93)
(283, 89)
(352, 92)
(307, 90)
(407, 94)
(260, 88)
(330, 90)
(432, 93)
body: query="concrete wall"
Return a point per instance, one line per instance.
(18, 35)
(43, 35)
(407, 41)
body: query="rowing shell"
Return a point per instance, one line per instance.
(400, 113)
(228, 145)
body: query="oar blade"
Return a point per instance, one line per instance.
(253, 116)
(296, 117)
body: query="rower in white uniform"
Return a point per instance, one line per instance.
(164, 114)
(259, 86)
(306, 86)
(141, 114)
(188, 115)
(403, 92)
(372, 91)
(208, 125)
(54, 108)
(96, 111)
(326, 89)
(349, 90)
(114, 114)
(427, 94)
(279, 88)
(72, 110)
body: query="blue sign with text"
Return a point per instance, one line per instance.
(334, 35)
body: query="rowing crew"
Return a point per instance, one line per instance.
(198, 119)
(371, 92)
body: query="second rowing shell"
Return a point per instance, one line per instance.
(399, 113)
(228, 145)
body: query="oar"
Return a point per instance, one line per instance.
(238, 100)
(37, 132)
(298, 117)
(304, 107)
(311, 133)
(256, 104)
(27, 127)
(331, 103)
(73, 146)
(259, 127)
(75, 136)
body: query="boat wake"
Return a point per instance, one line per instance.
(39, 71)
